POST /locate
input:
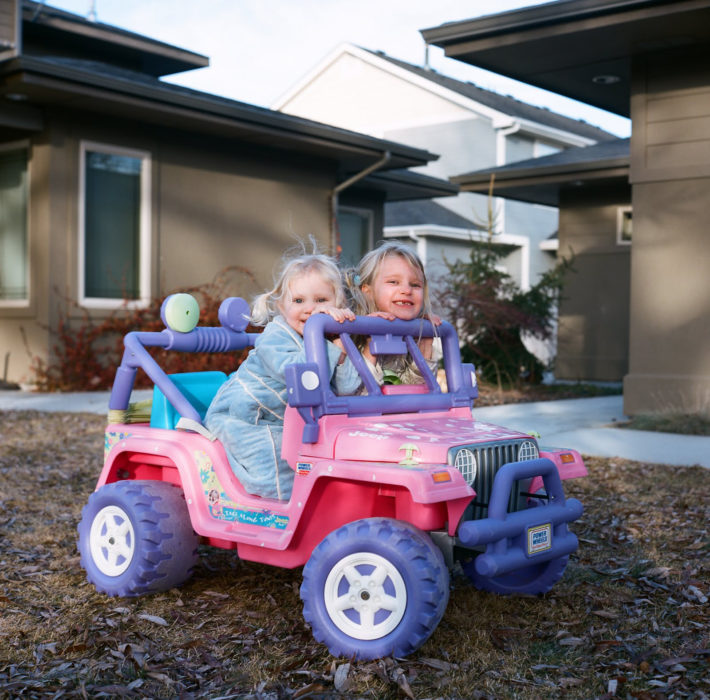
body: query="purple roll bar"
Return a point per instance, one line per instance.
(197, 340)
(461, 389)
(387, 336)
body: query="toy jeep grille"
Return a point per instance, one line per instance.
(479, 464)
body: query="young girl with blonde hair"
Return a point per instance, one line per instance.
(247, 413)
(390, 282)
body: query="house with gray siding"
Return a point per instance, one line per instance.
(117, 187)
(470, 127)
(647, 60)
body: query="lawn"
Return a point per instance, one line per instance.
(630, 618)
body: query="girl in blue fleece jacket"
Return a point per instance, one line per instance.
(247, 413)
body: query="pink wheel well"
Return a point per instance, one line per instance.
(135, 466)
(333, 503)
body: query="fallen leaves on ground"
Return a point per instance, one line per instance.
(630, 618)
(492, 395)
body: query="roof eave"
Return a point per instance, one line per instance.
(560, 172)
(199, 109)
(541, 187)
(168, 58)
(547, 14)
(403, 185)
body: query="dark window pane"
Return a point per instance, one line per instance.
(13, 225)
(354, 230)
(112, 193)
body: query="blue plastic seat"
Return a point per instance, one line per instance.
(199, 388)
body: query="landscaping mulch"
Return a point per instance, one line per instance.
(630, 618)
(491, 395)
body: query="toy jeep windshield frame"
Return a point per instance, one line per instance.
(309, 383)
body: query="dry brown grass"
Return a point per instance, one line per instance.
(492, 395)
(629, 619)
(670, 422)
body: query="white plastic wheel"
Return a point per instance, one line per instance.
(136, 537)
(112, 541)
(365, 595)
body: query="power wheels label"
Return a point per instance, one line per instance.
(539, 539)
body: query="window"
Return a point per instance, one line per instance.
(14, 259)
(355, 226)
(114, 250)
(624, 226)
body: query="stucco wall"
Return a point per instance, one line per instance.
(670, 299)
(215, 203)
(593, 330)
(220, 209)
(669, 360)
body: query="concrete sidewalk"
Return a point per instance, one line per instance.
(586, 425)
(79, 402)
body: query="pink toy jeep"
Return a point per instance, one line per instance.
(392, 488)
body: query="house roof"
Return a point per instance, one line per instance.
(73, 76)
(405, 185)
(579, 48)
(425, 213)
(503, 103)
(539, 180)
(61, 32)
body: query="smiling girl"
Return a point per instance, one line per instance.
(390, 282)
(247, 413)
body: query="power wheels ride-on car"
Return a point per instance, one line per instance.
(391, 489)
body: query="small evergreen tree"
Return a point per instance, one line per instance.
(491, 312)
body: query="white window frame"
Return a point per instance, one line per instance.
(620, 212)
(145, 235)
(22, 303)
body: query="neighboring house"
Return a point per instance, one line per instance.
(646, 59)
(468, 126)
(115, 184)
(590, 186)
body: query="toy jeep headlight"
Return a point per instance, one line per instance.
(527, 451)
(467, 464)
(479, 464)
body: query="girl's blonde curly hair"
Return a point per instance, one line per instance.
(265, 306)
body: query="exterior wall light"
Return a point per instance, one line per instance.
(606, 79)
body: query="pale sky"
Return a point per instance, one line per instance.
(258, 49)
